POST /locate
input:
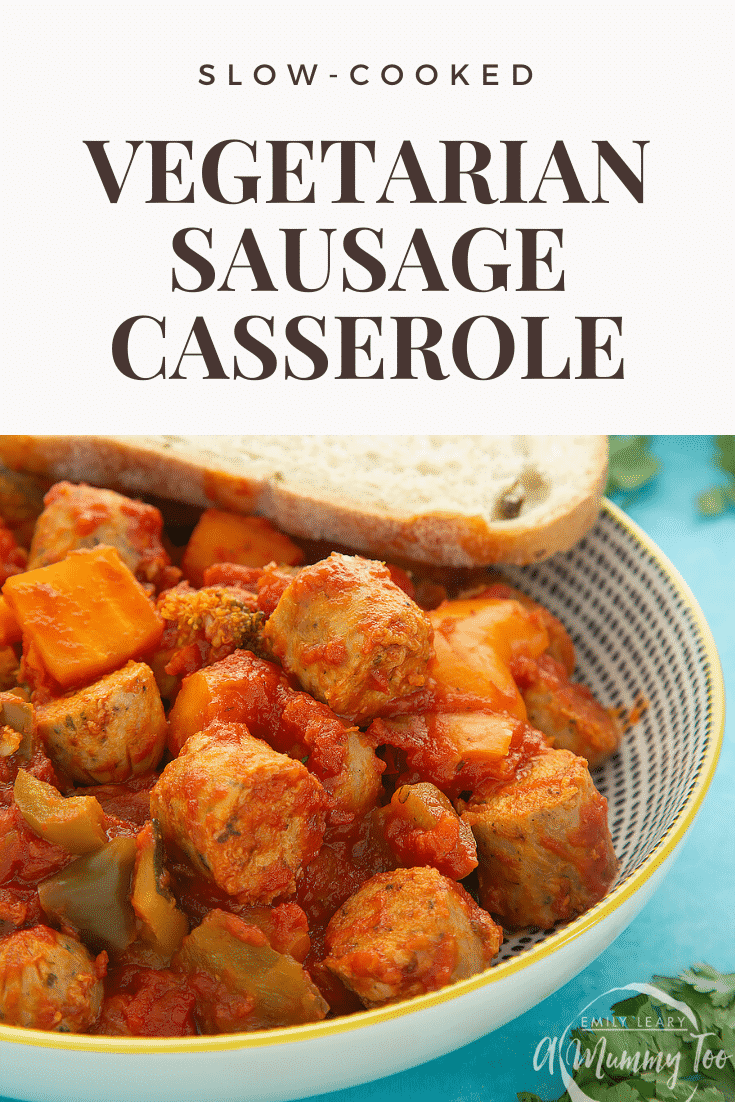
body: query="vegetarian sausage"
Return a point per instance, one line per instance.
(543, 843)
(566, 711)
(407, 932)
(110, 730)
(244, 815)
(351, 636)
(85, 516)
(48, 980)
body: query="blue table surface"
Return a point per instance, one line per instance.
(690, 918)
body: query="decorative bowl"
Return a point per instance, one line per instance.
(639, 636)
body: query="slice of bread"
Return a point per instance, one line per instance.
(451, 500)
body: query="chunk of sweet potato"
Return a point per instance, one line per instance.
(10, 631)
(226, 537)
(474, 642)
(84, 616)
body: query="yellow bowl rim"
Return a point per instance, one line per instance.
(572, 932)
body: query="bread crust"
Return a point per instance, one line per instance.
(165, 467)
(186, 469)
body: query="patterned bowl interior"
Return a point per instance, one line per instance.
(636, 639)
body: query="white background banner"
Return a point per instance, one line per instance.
(77, 265)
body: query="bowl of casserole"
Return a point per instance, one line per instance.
(640, 639)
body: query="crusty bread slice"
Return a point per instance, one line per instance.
(453, 500)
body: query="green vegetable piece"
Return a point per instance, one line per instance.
(76, 823)
(273, 988)
(17, 727)
(422, 804)
(91, 896)
(16, 713)
(165, 926)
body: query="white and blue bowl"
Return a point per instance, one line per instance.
(640, 635)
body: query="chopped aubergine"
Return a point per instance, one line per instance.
(256, 987)
(164, 925)
(91, 895)
(76, 823)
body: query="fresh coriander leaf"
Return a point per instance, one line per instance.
(709, 1093)
(645, 1016)
(586, 1075)
(672, 985)
(623, 1043)
(620, 1092)
(713, 502)
(717, 499)
(726, 448)
(645, 1088)
(673, 1045)
(678, 1093)
(600, 1091)
(728, 1041)
(609, 1054)
(636, 472)
(630, 1007)
(617, 443)
(631, 464)
(682, 1091)
(720, 986)
(699, 1002)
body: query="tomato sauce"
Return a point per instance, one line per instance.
(463, 730)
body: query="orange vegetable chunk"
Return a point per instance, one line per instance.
(84, 616)
(474, 736)
(474, 642)
(9, 627)
(227, 537)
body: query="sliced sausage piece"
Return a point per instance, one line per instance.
(49, 981)
(110, 730)
(84, 516)
(408, 932)
(351, 636)
(543, 843)
(244, 689)
(565, 711)
(244, 815)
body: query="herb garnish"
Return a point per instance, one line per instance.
(631, 464)
(718, 498)
(710, 996)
